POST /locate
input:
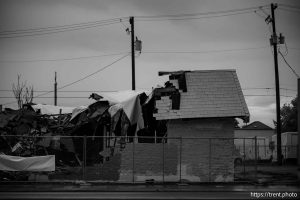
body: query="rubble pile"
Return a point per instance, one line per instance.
(85, 136)
(28, 133)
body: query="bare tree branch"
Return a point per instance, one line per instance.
(22, 93)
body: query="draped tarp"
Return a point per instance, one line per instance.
(128, 101)
(36, 163)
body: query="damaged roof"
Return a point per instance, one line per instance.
(202, 94)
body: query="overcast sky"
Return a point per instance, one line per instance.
(239, 41)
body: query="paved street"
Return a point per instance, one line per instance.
(124, 195)
(211, 191)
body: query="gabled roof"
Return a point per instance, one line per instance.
(257, 125)
(204, 94)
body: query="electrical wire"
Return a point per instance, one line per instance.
(80, 97)
(62, 59)
(69, 97)
(61, 27)
(49, 32)
(81, 79)
(288, 64)
(294, 48)
(69, 91)
(263, 95)
(96, 90)
(79, 26)
(205, 15)
(289, 6)
(121, 53)
(103, 68)
(290, 10)
(192, 18)
(198, 14)
(268, 88)
(204, 52)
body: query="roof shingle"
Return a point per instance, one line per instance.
(210, 93)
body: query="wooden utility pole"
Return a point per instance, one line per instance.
(298, 107)
(131, 21)
(274, 42)
(55, 91)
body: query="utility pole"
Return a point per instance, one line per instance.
(55, 91)
(131, 21)
(274, 41)
(298, 104)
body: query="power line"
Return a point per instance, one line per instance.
(264, 95)
(191, 18)
(148, 52)
(204, 52)
(290, 10)
(81, 79)
(51, 30)
(66, 91)
(294, 48)
(290, 6)
(94, 72)
(254, 95)
(70, 97)
(288, 64)
(61, 27)
(96, 90)
(268, 88)
(199, 14)
(62, 59)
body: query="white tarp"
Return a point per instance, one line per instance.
(51, 109)
(36, 163)
(77, 111)
(129, 101)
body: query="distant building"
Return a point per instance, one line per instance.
(257, 129)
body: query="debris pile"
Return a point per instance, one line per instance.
(87, 135)
(28, 133)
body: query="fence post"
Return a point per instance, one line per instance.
(255, 150)
(84, 158)
(180, 159)
(133, 149)
(244, 151)
(285, 153)
(163, 157)
(34, 145)
(209, 161)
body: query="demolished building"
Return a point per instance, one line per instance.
(197, 109)
(182, 131)
(86, 135)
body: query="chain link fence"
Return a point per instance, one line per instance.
(142, 159)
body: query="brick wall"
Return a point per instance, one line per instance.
(148, 161)
(200, 161)
(196, 165)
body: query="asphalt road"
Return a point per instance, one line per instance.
(111, 191)
(125, 195)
